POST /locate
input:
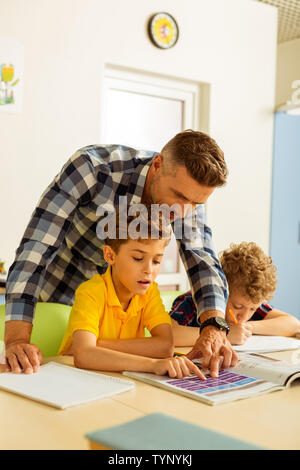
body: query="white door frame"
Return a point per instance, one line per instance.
(168, 88)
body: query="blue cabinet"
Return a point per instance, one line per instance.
(285, 212)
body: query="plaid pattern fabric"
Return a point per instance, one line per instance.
(184, 311)
(60, 248)
(261, 312)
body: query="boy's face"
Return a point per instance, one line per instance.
(242, 307)
(136, 264)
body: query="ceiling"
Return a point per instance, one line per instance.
(288, 18)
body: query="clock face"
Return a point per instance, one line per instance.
(163, 30)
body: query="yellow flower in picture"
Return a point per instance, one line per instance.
(2, 269)
(8, 73)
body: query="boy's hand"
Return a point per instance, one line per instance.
(177, 367)
(239, 334)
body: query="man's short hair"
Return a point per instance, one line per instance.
(201, 156)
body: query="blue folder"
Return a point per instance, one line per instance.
(158, 431)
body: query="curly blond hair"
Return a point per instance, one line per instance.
(249, 270)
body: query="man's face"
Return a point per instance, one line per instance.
(176, 187)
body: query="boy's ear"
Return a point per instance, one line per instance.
(109, 254)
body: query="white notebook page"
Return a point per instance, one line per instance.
(63, 386)
(260, 343)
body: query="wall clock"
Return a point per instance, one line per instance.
(163, 30)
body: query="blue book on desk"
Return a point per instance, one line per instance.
(158, 431)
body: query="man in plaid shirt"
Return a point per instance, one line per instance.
(60, 248)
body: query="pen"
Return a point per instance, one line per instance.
(233, 316)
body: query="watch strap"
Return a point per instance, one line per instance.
(213, 322)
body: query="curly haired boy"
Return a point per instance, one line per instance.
(252, 280)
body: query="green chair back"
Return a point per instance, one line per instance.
(168, 298)
(49, 326)
(51, 320)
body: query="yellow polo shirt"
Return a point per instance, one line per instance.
(97, 309)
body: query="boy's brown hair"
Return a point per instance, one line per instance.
(153, 227)
(249, 270)
(201, 156)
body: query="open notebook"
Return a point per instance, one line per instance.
(264, 344)
(64, 386)
(254, 375)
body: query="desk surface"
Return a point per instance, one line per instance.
(271, 421)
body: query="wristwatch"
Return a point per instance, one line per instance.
(218, 322)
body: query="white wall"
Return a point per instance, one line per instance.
(229, 43)
(288, 70)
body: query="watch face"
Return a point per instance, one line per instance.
(223, 323)
(163, 30)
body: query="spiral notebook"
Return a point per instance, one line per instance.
(64, 386)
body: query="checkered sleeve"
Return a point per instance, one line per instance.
(73, 186)
(184, 310)
(207, 280)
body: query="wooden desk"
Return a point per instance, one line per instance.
(26, 424)
(271, 421)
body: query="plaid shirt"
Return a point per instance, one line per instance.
(60, 248)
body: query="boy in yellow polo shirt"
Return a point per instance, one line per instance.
(106, 329)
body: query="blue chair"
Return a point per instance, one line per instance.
(49, 326)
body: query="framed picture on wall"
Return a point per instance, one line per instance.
(11, 75)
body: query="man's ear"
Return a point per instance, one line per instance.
(157, 162)
(109, 255)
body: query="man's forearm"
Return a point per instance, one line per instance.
(209, 314)
(207, 279)
(17, 331)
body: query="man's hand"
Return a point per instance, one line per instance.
(214, 349)
(22, 356)
(19, 353)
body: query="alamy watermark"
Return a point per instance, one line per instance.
(295, 98)
(113, 224)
